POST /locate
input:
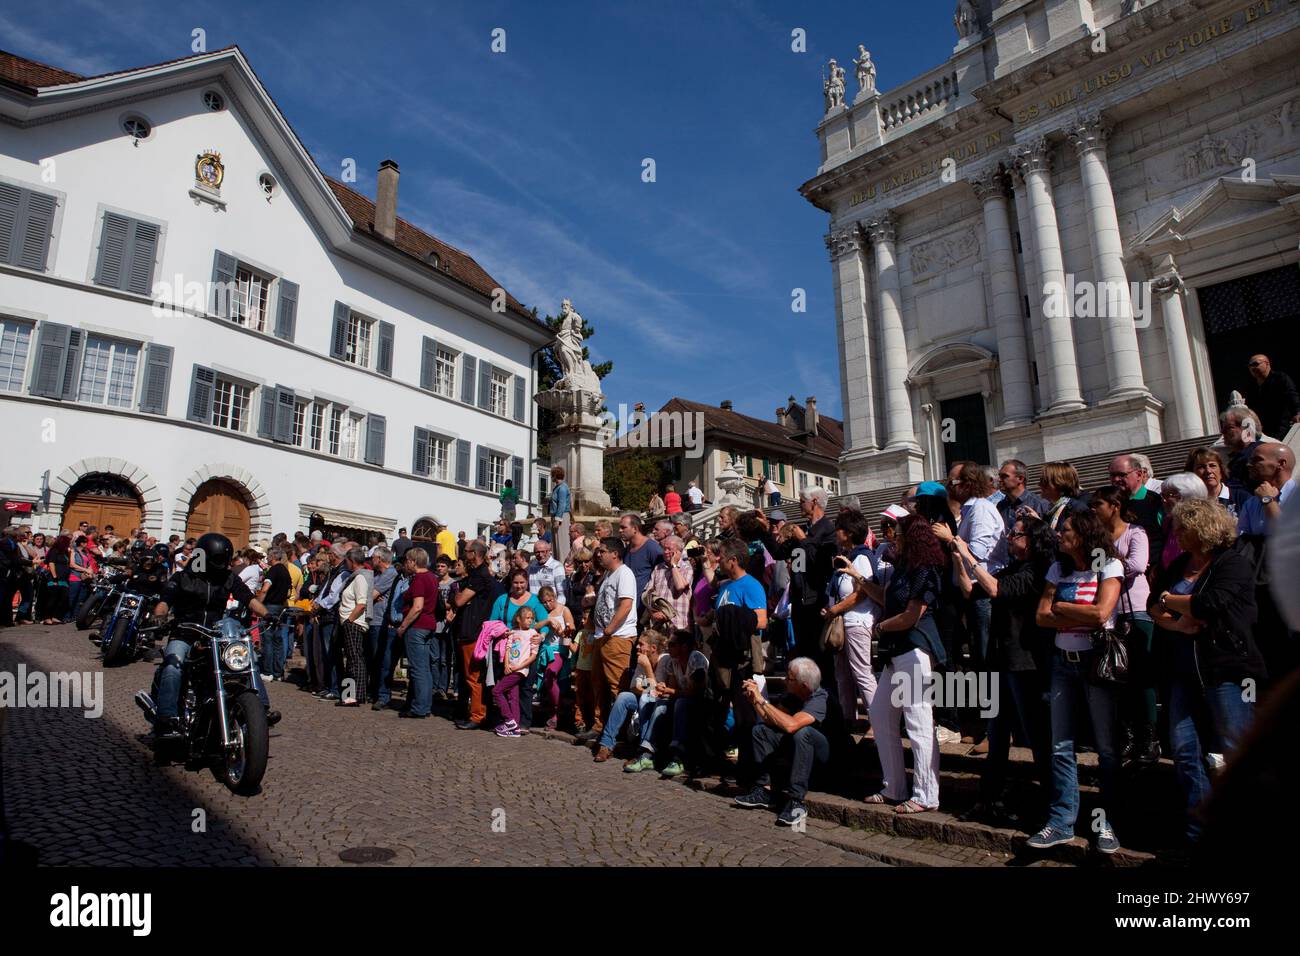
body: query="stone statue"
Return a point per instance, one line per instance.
(834, 86)
(731, 484)
(866, 71)
(578, 373)
(965, 19)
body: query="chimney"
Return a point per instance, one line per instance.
(726, 405)
(386, 200)
(810, 415)
(780, 415)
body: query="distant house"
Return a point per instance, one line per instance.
(798, 449)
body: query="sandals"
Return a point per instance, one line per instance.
(911, 806)
(880, 798)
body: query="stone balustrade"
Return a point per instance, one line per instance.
(918, 99)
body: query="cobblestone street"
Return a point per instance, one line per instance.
(85, 791)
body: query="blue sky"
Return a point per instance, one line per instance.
(531, 160)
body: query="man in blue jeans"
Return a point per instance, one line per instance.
(378, 646)
(420, 620)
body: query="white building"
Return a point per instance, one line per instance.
(1069, 237)
(361, 374)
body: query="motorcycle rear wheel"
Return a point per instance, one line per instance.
(117, 640)
(242, 770)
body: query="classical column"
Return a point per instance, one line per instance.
(1033, 165)
(1013, 357)
(1168, 285)
(1123, 362)
(893, 345)
(847, 248)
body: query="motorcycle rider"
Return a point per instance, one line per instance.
(147, 577)
(198, 594)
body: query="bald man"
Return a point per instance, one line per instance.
(1271, 465)
(1273, 396)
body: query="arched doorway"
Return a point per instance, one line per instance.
(219, 505)
(101, 500)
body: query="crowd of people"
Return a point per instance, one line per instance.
(1134, 619)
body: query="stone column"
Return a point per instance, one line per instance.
(1013, 357)
(1123, 362)
(893, 344)
(1033, 166)
(1168, 286)
(847, 248)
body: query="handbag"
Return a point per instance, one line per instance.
(1110, 664)
(832, 638)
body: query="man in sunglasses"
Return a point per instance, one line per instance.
(1273, 397)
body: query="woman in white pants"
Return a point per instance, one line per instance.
(909, 646)
(849, 599)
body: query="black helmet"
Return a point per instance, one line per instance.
(138, 547)
(212, 554)
(161, 551)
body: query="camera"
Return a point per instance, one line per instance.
(695, 552)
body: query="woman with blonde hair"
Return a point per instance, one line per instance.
(1059, 486)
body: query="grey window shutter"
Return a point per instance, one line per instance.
(376, 426)
(420, 453)
(517, 475)
(157, 378)
(484, 385)
(285, 403)
(339, 340)
(112, 250)
(35, 225)
(144, 249)
(201, 387)
(428, 362)
(72, 366)
(467, 379)
(266, 420)
(462, 461)
(482, 477)
(10, 198)
(286, 313)
(51, 359)
(520, 407)
(385, 348)
(223, 284)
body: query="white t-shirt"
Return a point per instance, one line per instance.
(671, 673)
(696, 496)
(615, 586)
(863, 613)
(1081, 587)
(252, 577)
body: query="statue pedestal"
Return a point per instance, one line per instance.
(579, 445)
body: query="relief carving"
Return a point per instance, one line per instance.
(945, 252)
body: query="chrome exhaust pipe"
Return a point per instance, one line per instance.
(145, 703)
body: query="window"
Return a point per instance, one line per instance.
(439, 458)
(500, 392)
(108, 372)
(213, 101)
(357, 350)
(15, 343)
(127, 248)
(835, 486)
(231, 404)
(266, 182)
(444, 376)
(137, 127)
(249, 301)
(543, 486)
(817, 480)
(496, 471)
(300, 422)
(336, 429)
(26, 226)
(352, 436)
(317, 426)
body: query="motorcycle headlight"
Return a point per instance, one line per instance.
(236, 656)
(131, 602)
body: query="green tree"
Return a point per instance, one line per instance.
(549, 372)
(632, 478)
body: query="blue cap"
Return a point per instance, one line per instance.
(930, 489)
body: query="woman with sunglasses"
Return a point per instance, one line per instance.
(1080, 597)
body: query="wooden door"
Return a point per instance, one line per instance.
(218, 506)
(124, 515)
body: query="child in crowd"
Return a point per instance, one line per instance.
(520, 651)
(584, 681)
(554, 653)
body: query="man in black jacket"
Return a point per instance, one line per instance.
(1273, 397)
(810, 553)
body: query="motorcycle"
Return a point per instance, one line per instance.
(128, 629)
(108, 586)
(223, 722)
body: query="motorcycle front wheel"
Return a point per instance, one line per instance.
(86, 614)
(117, 640)
(245, 764)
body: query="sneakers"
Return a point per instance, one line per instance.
(1107, 842)
(643, 762)
(674, 769)
(552, 723)
(947, 736)
(756, 799)
(794, 812)
(508, 729)
(1048, 837)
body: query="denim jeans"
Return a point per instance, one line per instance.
(440, 651)
(1210, 719)
(1022, 709)
(74, 599)
(272, 656)
(419, 658)
(321, 657)
(1076, 697)
(803, 750)
(167, 680)
(624, 704)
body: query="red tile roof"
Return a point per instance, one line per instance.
(828, 442)
(30, 75)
